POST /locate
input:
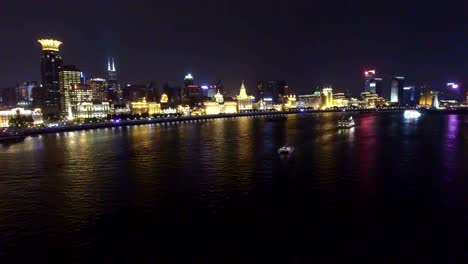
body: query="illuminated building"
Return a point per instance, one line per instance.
(369, 99)
(183, 110)
(230, 108)
(244, 101)
(99, 88)
(69, 75)
(193, 94)
(409, 95)
(327, 98)
(339, 100)
(143, 107)
(310, 100)
(114, 91)
(376, 86)
(25, 93)
(219, 98)
(396, 89)
(215, 108)
(435, 102)
(6, 115)
(425, 99)
(369, 75)
(291, 102)
(91, 110)
(111, 70)
(51, 65)
(212, 108)
(81, 93)
(164, 98)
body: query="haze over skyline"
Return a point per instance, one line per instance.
(305, 43)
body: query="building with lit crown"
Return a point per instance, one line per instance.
(51, 65)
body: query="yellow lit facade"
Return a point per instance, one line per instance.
(212, 108)
(426, 99)
(340, 100)
(6, 115)
(290, 102)
(50, 44)
(244, 101)
(230, 108)
(164, 98)
(327, 98)
(143, 107)
(90, 110)
(68, 77)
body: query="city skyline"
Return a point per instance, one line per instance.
(302, 50)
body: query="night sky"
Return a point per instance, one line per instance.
(306, 43)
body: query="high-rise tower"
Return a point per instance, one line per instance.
(68, 76)
(368, 87)
(114, 92)
(112, 72)
(51, 65)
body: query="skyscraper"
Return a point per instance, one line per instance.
(99, 87)
(193, 93)
(375, 86)
(369, 75)
(51, 65)
(114, 90)
(409, 96)
(396, 89)
(69, 75)
(111, 71)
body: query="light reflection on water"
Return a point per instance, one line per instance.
(223, 176)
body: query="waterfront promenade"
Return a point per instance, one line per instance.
(152, 120)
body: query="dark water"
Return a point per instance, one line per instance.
(390, 190)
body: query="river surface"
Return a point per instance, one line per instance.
(390, 190)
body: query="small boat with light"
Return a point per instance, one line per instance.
(346, 122)
(286, 150)
(411, 114)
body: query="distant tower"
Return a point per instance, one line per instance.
(114, 92)
(436, 100)
(112, 72)
(396, 89)
(369, 75)
(51, 65)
